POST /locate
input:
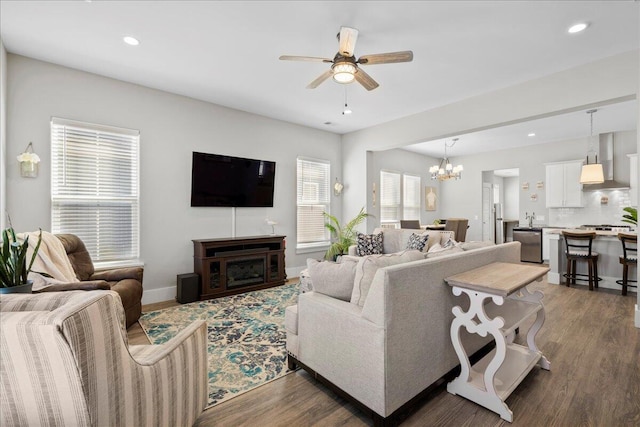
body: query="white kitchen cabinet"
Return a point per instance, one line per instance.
(563, 188)
(633, 175)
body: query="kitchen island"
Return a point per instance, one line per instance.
(606, 244)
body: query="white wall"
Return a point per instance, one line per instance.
(511, 199)
(599, 83)
(171, 127)
(464, 197)
(3, 135)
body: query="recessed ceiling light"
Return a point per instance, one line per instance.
(531, 134)
(131, 40)
(577, 27)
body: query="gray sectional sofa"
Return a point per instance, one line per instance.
(385, 349)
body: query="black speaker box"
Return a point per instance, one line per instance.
(188, 285)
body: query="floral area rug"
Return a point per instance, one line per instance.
(246, 337)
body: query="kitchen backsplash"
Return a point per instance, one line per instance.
(594, 211)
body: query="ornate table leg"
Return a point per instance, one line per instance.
(536, 297)
(485, 394)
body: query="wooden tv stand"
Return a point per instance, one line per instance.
(240, 264)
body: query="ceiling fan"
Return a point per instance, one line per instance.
(345, 65)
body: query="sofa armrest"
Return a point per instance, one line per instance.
(118, 274)
(347, 350)
(87, 285)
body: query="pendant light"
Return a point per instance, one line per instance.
(592, 173)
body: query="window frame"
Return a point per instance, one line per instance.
(417, 207)
(122, 192)
(320, 244)
(398, 206)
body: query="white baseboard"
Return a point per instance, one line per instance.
(150, 296)
(294, 271)
(553, 278)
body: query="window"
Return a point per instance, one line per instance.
(313, 198)
(94, 187)
(389, 197)
(411, 199)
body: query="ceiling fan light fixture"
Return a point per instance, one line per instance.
(344, 72)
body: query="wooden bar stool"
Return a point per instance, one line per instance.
(578, 248)
(629, 258)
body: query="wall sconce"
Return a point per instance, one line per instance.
(337, 188)
(29, 162)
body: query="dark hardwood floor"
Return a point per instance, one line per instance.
(588, 337)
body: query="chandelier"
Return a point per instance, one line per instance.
(445, 170)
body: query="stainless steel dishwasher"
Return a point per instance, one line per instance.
(530, 239)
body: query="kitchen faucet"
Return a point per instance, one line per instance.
(530, 218)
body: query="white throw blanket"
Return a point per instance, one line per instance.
(51, 259)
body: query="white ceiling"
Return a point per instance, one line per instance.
(227, 52)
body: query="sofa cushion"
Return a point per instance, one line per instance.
(291, 319)
(469, 246)
(369, 244)
(334, 279)
(367, 267)
(417, 241)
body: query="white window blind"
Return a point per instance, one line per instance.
(95, 187)
(313, 198)
(389, 197)
(411, 197)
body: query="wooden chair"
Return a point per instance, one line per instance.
(410, 223)
(458, 226)
(578, 248)
(629, 258)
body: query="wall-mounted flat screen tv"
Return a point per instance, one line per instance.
(218, 180)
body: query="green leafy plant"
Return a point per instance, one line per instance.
(13, 259)
(342, 236)
(631, 216)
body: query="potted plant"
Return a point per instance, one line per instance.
(13, 263)
(631, 216)
(342, 236)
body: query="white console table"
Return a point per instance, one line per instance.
(491, 380)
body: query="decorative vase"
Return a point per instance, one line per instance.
(28, 169)
(21, 289)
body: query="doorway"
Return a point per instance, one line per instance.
(500, 204)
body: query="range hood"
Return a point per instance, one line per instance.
(605, 157)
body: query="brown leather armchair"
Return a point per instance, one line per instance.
(127, 282)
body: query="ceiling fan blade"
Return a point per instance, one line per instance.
(348, 37)
(304, 58)
(365, 80)
(386, 58)
(322, 77)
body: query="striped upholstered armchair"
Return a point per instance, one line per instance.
(65, 361)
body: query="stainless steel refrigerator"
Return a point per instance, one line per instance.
(498, 223)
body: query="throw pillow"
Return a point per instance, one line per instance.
(417, 241)
(449, 243)
(369, 244)
(369, 265)
(332, 278)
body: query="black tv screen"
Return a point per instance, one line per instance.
(218, 180)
